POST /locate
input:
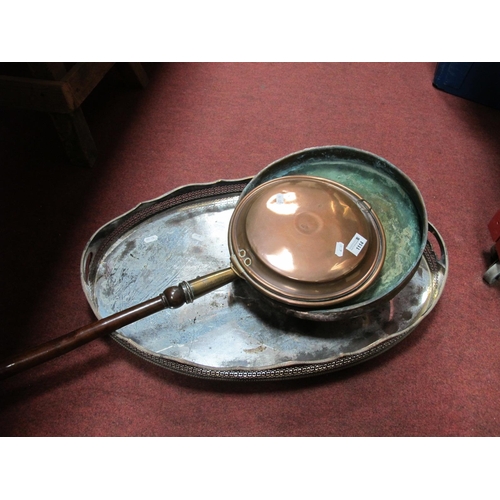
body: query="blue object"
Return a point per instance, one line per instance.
(478, 82)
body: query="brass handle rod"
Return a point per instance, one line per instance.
(171, 298)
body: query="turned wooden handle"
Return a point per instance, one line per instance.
(172, 297)
(61, 345)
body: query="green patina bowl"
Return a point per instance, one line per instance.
(391, 194)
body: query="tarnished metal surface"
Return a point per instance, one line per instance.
(231, 333)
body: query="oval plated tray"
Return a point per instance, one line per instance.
(231, 333)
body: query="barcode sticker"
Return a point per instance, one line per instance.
(356, 244)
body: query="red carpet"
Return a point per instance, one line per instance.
(197, 123)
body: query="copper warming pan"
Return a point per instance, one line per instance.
(324, 234)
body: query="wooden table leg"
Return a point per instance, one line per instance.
(134, 73)
(76, 137)
(71, 127)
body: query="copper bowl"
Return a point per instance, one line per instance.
(390, 193)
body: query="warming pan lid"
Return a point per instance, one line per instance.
(306, 241)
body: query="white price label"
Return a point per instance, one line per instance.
(356, 244)
(339, 249)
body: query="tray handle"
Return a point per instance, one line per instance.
(442, 255)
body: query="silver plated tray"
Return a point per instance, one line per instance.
(232, 333)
